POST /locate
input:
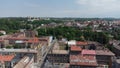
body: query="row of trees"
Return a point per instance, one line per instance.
(115, 32)
(1, 34)
(74, 33)
(12, 25)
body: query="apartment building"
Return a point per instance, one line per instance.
(58, 56)
(25, 62)
(80, 58)
(80, 61)
(6, 61)
(104, 58)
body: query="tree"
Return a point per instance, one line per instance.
(8, 47)
(72, 33)
(1, 34)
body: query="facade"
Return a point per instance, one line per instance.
(58, 56)
(80, 58)
(30, 33)
(115, 44)
(5, 61)
(80, 61)
(25, 62)
(117, 63)
(104, 58)
(83, 45)
(3, 32)
(116, 49)
(75, 50)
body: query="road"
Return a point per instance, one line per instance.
(43, 58)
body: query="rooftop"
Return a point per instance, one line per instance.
(118, 61)
(23, 62)
(1, 40)
(34, 40)
(6, 57)
(60, 52)
(75, 48)
(88, 52)
(117, 46)
(83, 60)
(19, 50)
(104, 52)
(81, 43)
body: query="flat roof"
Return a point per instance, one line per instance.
(83, 60)
(60, 52)
(104, 52)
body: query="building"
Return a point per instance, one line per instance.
(83, 45)
(117, 63)
(3, 32)
(75, 50)
(82, 58)
(71, 42)
(5, 61)
(104, 58)
(25, 62)
(116, 49)
(88, 52)
(58, 56)
(30, 33)
(80, 61)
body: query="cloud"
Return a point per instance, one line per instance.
(32, 5)
(99, 7)
(100, 4)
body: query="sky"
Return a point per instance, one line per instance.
(60, 8)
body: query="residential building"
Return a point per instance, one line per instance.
(80, 61)
(82, 58)
(104, 58)
(83, 45)
(58, 56)
(25, 62)
(75, 50)
(5, 61)
(117, 63)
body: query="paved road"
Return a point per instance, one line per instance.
(43, 58)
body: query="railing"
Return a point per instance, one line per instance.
(18, 50)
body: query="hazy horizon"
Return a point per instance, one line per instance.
(60, 8)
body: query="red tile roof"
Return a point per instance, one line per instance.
(83, 60)
(75, 48)
(1, 40)
(6, 57)
(34, 40)
(104, 52)
(88, 52)
(81, 43)
(25, 38)
(15, 38)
